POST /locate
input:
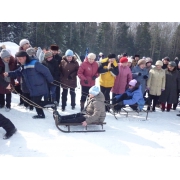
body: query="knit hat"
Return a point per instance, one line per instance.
(124, 60)
(91, 56)
(133, 82)
(69, 53)
(159, 63)
(94, 90)
(110, 56)
(5, 53)
(54, 47)
(23, 42)
(148, 60)
(31, 51)
(136, 55)
(141, 61)
(48, 54)
(166, 58)
(21, 54)
(172, 64)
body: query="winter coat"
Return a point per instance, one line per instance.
(144, 72)
(135, 96)
(156, 81)
(86, 71)
(58, 58)
(107, 77)
(53, 68)
(3, 83)
(95, 109)
(12, 67)
(35, 76)
(122, 79)
(68, 69)
(172, 87)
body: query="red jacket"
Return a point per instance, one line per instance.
(86, 71)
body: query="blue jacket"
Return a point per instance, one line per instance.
(136, 97)
(35, 76)
(143, 72)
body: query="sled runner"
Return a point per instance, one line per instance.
(68, 126)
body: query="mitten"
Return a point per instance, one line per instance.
(145, 76)
(69, 77)
(94, 77)
(86, 81)
(139, 74)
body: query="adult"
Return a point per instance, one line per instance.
(36, 77)
(68, 77)
(87, 73)
(108, 69)
(156, 83)
(172, 87)
(94, 111)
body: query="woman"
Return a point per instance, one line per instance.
(123, 78)
(94, 111)
(7, 63)
(140, 73)
(108, 69)
(133, 97)
(172, 87)
(156, 83)
(87, 73)
(68, 77)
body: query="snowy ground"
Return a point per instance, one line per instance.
(131, 136)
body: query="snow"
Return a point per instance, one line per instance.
(129, 143)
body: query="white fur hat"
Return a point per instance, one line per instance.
(23, 41)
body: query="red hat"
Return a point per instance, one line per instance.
(124, 60)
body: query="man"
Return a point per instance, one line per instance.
(56, 55)
(36, 77)
(5, 123)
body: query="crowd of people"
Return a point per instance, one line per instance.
(40, 75)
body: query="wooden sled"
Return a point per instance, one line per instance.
(68, 126)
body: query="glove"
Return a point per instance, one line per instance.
(145, 76)
(139, 74)
(121, 103)
(94, 77)
(69, 77)
(86, 81)
(162, 90)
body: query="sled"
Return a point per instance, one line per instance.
(69, 125)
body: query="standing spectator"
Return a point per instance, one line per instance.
(101, 56)
(87, 73)
(135, 60)
(165, 61)
(56, 55)
(140, 73)
(176, 60)
(148, 63)
(53, 67)
(108, 70)
(130, 63)
(36, 77)
(156, 83)
(68, 77)
(7, 63)
(172, 87)
(5, 123)
(123, 78)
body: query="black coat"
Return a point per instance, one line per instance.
(172, 87)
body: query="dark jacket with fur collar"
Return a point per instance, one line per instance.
(68, 72)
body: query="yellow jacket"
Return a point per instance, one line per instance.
(107, 77)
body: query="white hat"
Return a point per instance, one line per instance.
(23, 42)
(130, 60)
(94, 90)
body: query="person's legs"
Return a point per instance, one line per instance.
(2, 100)
(8, 100)
(58, 93)
(73, 97)
(163, 106)
(155, 101)
(107, 97)
(8, 126)
(168, 107)
(84, 94)
(64, 98)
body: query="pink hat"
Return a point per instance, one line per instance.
(133, 82)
